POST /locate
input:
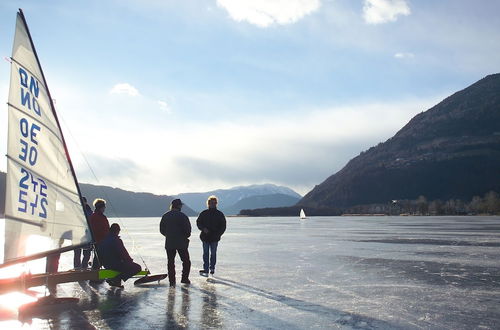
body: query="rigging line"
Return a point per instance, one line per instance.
(108, 202)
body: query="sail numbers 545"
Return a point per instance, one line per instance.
(32, 195)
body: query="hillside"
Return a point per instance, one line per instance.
(229, 197)
(261, 201)
(450, 151)
(131, 204)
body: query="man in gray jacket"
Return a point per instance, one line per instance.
(176, 228)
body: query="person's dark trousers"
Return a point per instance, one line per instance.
(52, 264)
(81, 263)
(95, 262)
(86, 258)
(186, 264)
(126, 269)
(209, 255)
(77, 262)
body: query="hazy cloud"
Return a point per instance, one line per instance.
(124, 88)
(297, 172)
(383, 11)
(404, 55)
(164, 106)
(299, 152)
(109, 170)
(264, 13)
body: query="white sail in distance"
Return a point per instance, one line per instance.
(302, 214)
(43, 208)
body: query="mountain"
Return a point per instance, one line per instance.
(121, 203)
(449, 151)
(229, 197)
(261, 201)
(124, 203)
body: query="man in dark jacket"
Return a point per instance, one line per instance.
(115, 256)
(176, 228)
(212, 224)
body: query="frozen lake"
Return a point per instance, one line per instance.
(324, 272)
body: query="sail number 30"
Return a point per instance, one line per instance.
(29, 151)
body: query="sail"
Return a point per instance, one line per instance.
(43, 208)
(302, 214)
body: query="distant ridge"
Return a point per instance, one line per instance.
(450, 151)
(122, 203)
(229, 197)
(131, 204)
(261, 201)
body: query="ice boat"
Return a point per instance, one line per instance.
(44, 215)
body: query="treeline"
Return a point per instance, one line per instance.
(290, 211)
(487, 204)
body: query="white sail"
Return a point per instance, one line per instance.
(43, 210)
(302, 214)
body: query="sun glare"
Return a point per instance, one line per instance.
(13, 300)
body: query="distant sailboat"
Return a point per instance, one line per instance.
(44, 215)
(302, 214)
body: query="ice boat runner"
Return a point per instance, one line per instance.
(44, 215)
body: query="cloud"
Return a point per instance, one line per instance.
(298, 150)
(404, 55)
(113, 171)
(124, 88)
(164, 106)
(264, 13)
(383, 11)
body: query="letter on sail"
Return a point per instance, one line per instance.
(43, 210)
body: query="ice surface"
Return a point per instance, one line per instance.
(325, 272)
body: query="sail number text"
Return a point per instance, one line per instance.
(29, 91)
(32, 195)
(28, 145)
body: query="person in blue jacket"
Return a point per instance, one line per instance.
(114, 255)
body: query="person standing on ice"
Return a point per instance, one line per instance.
(99, 225)
(212, 224)
(77, 262)
(176, 228)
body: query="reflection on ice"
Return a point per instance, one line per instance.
(177, 317)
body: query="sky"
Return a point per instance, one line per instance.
(183, 96)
